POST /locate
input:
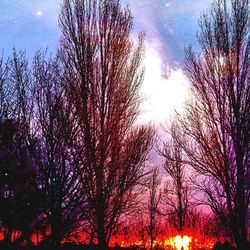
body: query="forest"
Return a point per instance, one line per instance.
(76, 167)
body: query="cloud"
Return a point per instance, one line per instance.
(173, 23)
(169, 25)
(161, 96)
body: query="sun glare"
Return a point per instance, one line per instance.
(161, 96)
(182, 243)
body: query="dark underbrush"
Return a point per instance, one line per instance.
(13, 246)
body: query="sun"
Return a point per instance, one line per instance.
(182, 243)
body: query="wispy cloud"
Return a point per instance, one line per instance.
(170, 23)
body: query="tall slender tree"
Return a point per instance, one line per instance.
(177, 193)
(154, 205)
(57, 178)
(214, 132)
(20, 197)
(103, 80)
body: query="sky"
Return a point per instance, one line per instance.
(169, 26)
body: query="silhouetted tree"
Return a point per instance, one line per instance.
(176, 192)
(58, 180)
(204, 226)
(3, 90)
(19, 194)
(8, 164)
(153, 204)
(20, 199)
(140, 227)
(102, 87)
(214, 132)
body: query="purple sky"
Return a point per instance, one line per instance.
(169, 25)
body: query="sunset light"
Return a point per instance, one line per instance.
(182, 243)
(124, 124)
(161, 94)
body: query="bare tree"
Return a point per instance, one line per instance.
(204, 226)
(177, 192)
(153, 204)
(102, 86)
(20, 197)
(140, 227)
(58, 180)
(214, 132)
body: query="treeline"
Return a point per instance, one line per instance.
(73, 158)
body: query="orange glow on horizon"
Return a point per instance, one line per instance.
(171, 242)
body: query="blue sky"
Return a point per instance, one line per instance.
(169, 25)
(20, 26)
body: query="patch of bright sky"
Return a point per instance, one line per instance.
(162, 96)
(169, 25)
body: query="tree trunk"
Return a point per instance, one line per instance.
(151, 228)
(101, 231)
(7, 234)
(241, 240)
(55, 234)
